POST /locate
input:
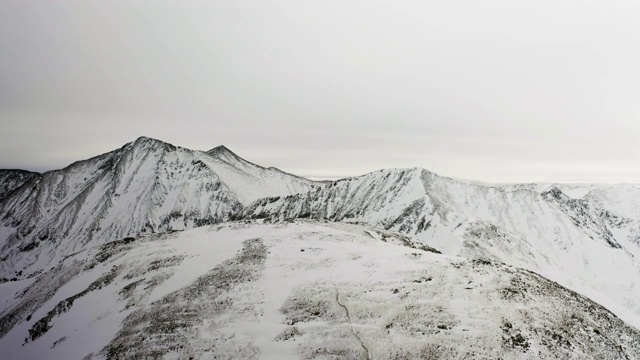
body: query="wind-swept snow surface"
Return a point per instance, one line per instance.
(300, 290)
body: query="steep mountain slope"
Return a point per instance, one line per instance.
(13, 179)
(250, 182)
(146, 186)
(301, 290)
(584, 243)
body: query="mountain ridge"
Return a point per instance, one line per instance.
(573, 241)
(12, 179)
(145, 186)
(89, 234)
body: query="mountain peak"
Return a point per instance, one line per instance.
(144, 139)
(150, 144)
(220, 150)
(223, 153)
(147, 140)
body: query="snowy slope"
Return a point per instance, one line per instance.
(299, 290)
(250, 182)
(283, 290)
(588, 241)
(13, 179)
(146, 186)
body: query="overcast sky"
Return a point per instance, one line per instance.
(486, 90)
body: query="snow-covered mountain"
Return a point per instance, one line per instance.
(104, 263)
(12, 179)
(586, 237)
(297, 290)
(146, 186)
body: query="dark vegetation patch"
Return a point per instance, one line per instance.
(421, 320)
(336, 343)
(165, 263)
(154, 265)
(512, 338)
(305, 309)
(168, 324)
(482, 262)
(36, 294)
(112, 248)
(28, 247)
(43, 325)
(58, 342)
(127, 293)
(288, 334)
(117, 243)
(516, 290)
(407, 241)
(428, 351)
(128, 289)
(423, 279)
(572, 324)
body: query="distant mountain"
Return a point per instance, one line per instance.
(586, 237)
(146, 186)
(13, 179)
(297, 290)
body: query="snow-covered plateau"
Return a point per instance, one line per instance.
(302, 289)
(154, 251)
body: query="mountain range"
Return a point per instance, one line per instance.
(202, 254)
(145, 187)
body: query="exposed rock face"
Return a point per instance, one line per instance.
(10, 180)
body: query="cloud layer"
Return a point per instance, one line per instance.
(492, 90)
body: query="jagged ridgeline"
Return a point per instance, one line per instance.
(10, 180)
(583, 236)
(145, 187)
(128, 219)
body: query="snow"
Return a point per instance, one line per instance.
(400, 300)
(9, 293)
(13, 179)
(201, 253)
(586, 237)
(564, 240)
(146, 186)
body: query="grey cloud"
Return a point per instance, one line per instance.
(490, 90)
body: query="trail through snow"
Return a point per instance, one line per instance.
(357, 336)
